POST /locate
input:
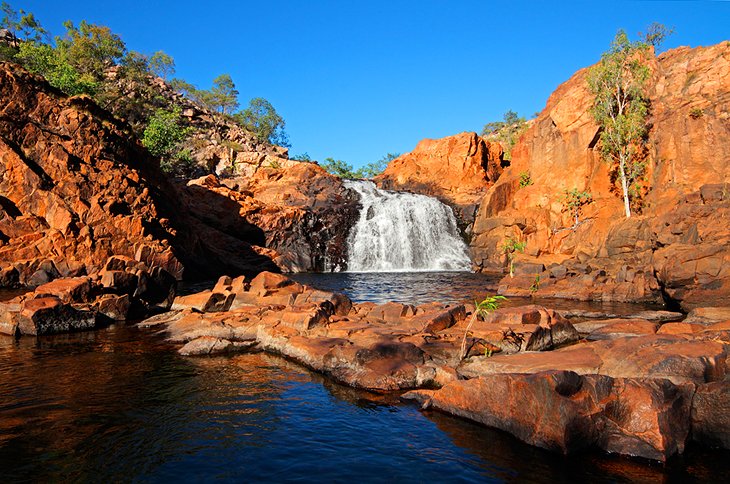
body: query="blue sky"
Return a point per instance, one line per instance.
(355, 80)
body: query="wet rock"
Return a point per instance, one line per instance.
(206, 345)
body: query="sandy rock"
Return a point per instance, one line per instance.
(708, 315)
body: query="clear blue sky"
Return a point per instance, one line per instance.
(355, 80)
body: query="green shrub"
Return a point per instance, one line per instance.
(525, 179)
(483, 308)
(574, 201)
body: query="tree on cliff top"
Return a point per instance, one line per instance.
(621, 106)
(507, 131)
(261, 119)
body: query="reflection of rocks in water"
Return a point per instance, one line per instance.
(495, 446)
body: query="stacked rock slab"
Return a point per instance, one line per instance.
(124, 289)
(76, 189)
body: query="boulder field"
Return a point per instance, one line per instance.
(640, 385)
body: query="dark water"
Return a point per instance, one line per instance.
(118, 405)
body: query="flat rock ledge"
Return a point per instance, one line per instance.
(643, 386)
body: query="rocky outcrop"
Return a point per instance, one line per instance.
(635, 390)
(457, 170)
(676, 247)
(301, 214)
(124, 289)
(76, 189)
(216, 142)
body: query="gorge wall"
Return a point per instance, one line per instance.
(674, 248)
(457, 170)
(677, 245)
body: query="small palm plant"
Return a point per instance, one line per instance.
(482, 309)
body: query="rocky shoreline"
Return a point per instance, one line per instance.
(642, 385)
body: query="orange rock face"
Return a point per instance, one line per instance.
(76, 188)
(456, 169)
(677, 244)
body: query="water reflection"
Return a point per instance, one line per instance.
(118, 405)
(447, 287)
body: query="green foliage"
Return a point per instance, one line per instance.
(21, 24)
(161, 65)
(696, 113)
(535, 284)
(345, 170)
(481, 309)
(375, 168)
(574, 201)
(163, 137)
(621, 107)
(302, 157)
(509, 248)
(222, 97)
(525, 179)
(656, 34)
(90, 48)
(43, 59)
(339, 168)
(262, 120)
(506, 132)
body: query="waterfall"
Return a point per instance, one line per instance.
(403, 232)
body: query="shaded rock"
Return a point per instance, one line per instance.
(114, 307)
(711, 414)
(49, 315)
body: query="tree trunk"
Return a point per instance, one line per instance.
(624, 186)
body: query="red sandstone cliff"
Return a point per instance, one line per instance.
(457, 169)
(677, 244)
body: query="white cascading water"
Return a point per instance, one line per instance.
(403, 232)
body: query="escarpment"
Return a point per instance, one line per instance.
(675, 246)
